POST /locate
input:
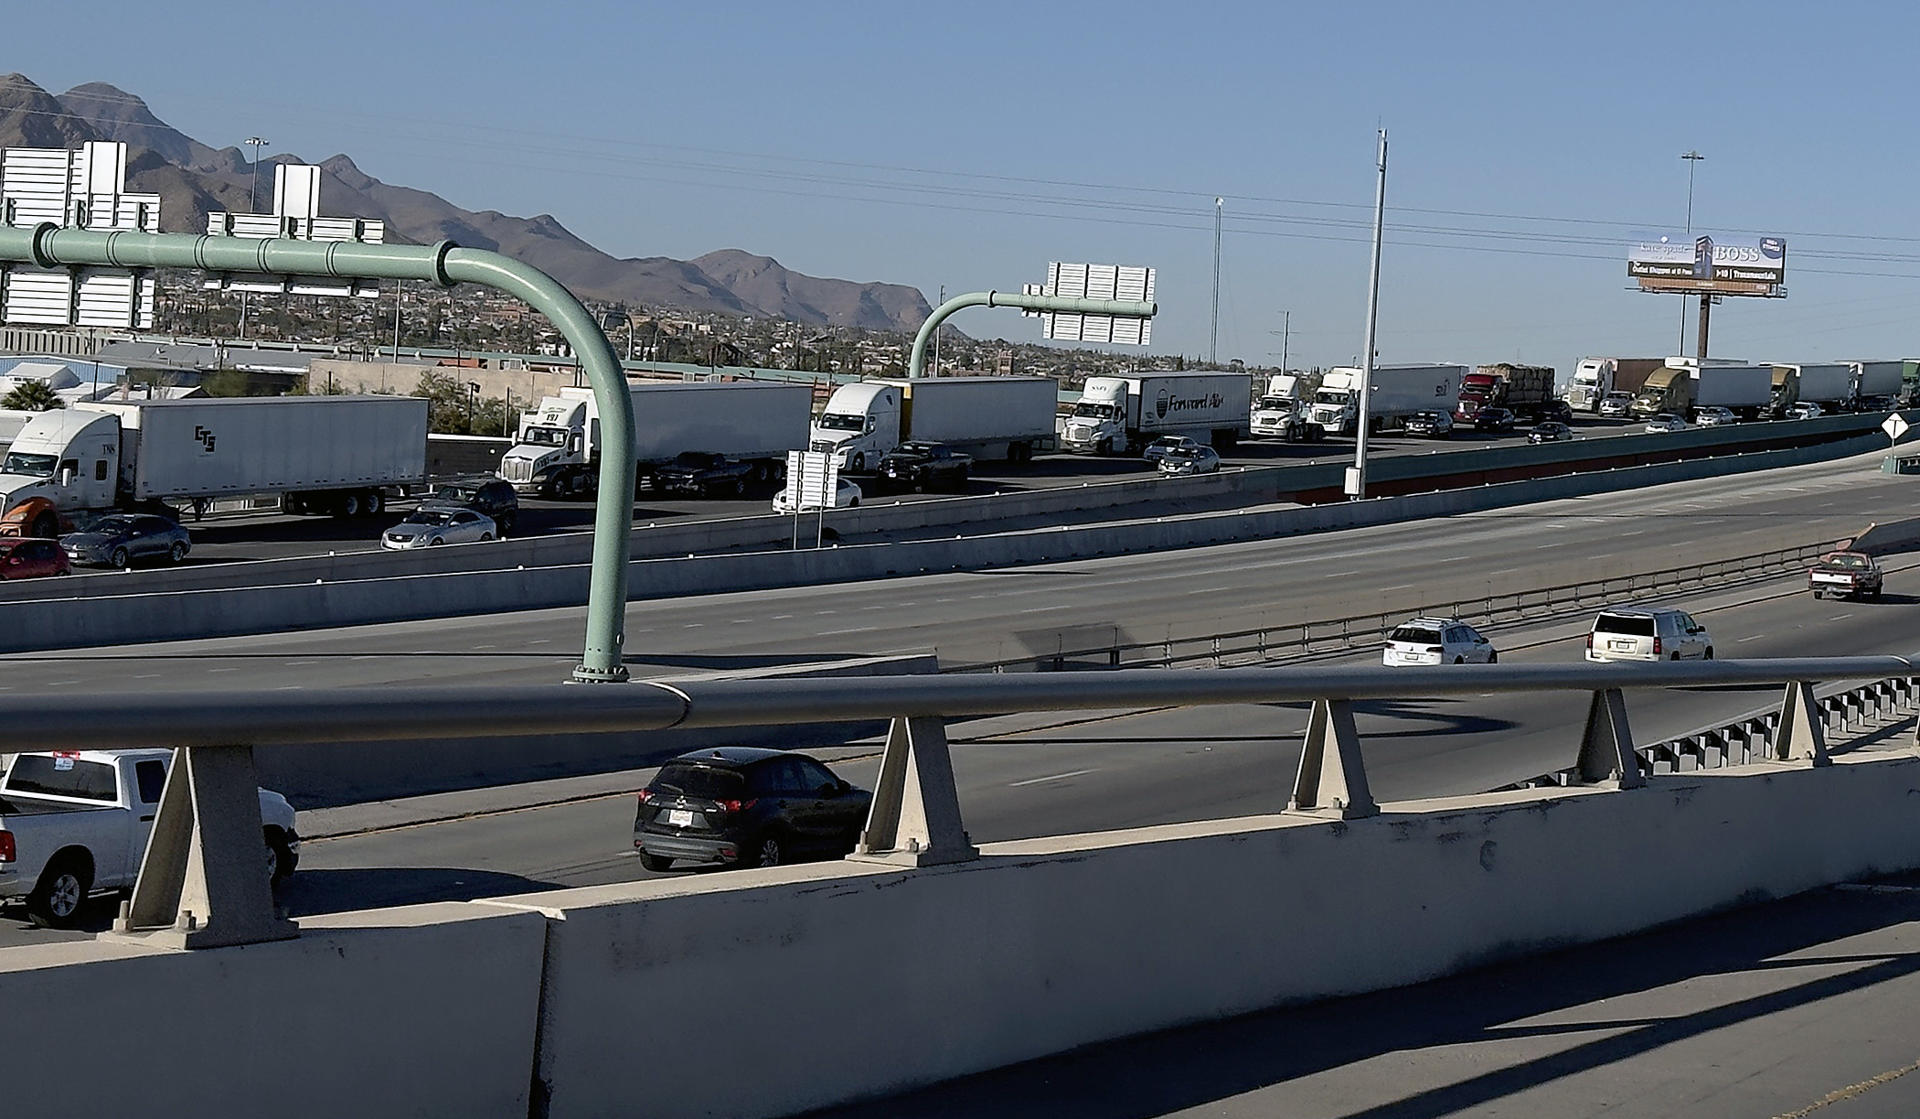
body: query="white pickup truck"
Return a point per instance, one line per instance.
(75, 822)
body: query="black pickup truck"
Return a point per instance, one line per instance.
(705, 474)
(918, 465)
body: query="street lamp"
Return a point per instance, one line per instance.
(256, 143)
(473, 399)
(1693, 158)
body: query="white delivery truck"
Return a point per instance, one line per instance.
(322, 454)
(558, 448)
(1396, 392)
(989, 418)
(1118, 414)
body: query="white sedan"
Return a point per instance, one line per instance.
(846, 495)
(426, 528)
(1665, 421)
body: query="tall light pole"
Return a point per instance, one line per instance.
(1213, 346)
(1286, 329)
(473, 398)
(256, 143)
(1357, 476)
(1693, 158)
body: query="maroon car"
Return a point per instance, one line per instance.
(29, 558)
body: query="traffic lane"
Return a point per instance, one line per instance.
(1099, 771)
(1007, 615)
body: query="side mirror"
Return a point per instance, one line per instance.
(830, 789)
(1480, 641)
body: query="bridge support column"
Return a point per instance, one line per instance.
(915, 818)
(1800, 735)
(204, 880)
(1606, 749)
(1333, 779)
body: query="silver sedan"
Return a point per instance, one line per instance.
(425, 528)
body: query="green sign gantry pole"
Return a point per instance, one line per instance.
(50, 246)
(1123, 307)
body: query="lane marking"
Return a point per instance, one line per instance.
(1850, 1091)
(780, 617)
(1055, 777)
(1744, 640)
(1842, 617)
(837, 632)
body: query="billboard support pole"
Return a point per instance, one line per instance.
(1706, 315)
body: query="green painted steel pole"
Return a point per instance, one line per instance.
(917, 367)
(49, 246)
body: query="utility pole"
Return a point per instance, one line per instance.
(256, 143)
(1213, 347)
(1286, 329)
(1357, 476)
(1693, 159)
(396, 321)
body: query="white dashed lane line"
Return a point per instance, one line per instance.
(1055, 777)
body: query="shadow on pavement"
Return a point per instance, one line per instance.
(310, 892)
(1205, 1066)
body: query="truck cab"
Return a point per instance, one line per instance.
(1098, 423)
(1335, 407)
(1786, 390)
(1669, 389)
(70, 457)
(859, 426)
(550, 454)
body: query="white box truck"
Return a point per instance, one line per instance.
(1396, 392)
(558, 448)
(1119, 414)
(989, 418)
(1683, 385)
(1828, 384)
(320, 454)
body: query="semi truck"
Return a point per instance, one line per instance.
(1525, 389)
(557, 452)
(1680, 387)
(1281, 413)
(1118, 414)
(1007, 419)
(1396, 392)
(1828, 384)
(1875, 379)
(342, 455)
(1595, 377)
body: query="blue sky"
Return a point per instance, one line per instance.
(966, 146)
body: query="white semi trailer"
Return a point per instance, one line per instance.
(1395, 393)
(1118, 414)
(989, 418)
(559, 444)
(320, 454)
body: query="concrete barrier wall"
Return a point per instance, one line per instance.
(126, 619)
(1044, 946)
(1885, 538)
(428, 1010)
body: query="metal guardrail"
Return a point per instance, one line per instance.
(201, 882)
(1359, 631)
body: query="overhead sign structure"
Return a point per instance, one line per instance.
(1710, 263)
(84, 189)
(1095, 281)
(813, 477)
(296, 215)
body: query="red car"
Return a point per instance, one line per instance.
(29, 558)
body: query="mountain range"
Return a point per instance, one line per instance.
(193, 179)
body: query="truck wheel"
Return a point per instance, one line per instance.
(857, 464)
(280, 857)
(1103, 448)
(177, 554)
(349, 505)
(119, 558)
(375, 501)
(46, 526)
(55, 902)
(739, 487)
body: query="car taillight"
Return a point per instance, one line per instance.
(646, 795)
(1656, 646)
(1589, 640)
(737, 805)
(7, 851)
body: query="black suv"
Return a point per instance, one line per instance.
(490, 497)
(1493, 419)
(744, 806)
(921, 465)
(705, 474)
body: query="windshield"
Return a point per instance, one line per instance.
(1416, 635)
(546, 436)
(111, 525)
(1087, 411)
(1276, 403)
(429, 517)
(1330, 397)
(20, 462)
(1848, 560)
(457, 494)
(832, 421)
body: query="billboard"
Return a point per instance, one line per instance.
(1740, 264)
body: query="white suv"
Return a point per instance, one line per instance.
(1648, 635)
(1714, 416)
(1437, 641)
